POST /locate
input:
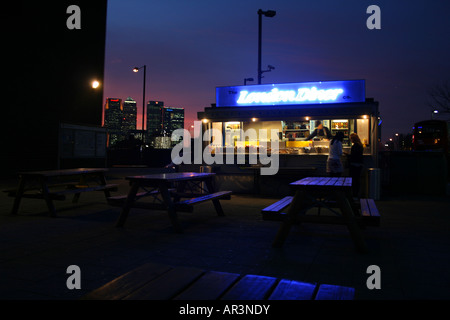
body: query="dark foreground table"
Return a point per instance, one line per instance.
(56, 184)
(161, 282)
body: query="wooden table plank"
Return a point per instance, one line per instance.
(128, 283)
(331, 292)
(293, 290)
(155, 281)
(332, 182)
(251, 287)
(348, 182)
(171, 177)
(340, 181)
(305, 181)
(209, 287)
(323, 181)
(167, 285)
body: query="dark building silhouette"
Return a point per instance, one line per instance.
(154, 118)
(173, 118)
(129, 115)
(114, 117)
(48, 69)
(162, 121)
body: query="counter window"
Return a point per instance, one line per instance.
(293, 134)
(232, 132)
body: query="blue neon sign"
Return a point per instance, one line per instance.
(291, 93)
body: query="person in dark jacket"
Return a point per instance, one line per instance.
(320, 131)
(356, 163)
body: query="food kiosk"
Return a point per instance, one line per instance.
(293, 110)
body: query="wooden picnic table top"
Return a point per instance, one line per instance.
(153, 281)
(63, 172)
(323, 182)
(173, 176)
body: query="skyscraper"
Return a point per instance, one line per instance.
(154, 118)
(129, 116)
(173, 118)
(162, 122)
(113, 120)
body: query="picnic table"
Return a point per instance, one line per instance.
(153, 281)
(56, 184)
(319, 192)
(167, 191)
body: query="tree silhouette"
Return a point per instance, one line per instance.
(439, 97)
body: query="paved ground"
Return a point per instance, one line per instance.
(411, 247)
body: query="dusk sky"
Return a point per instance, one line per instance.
(191, 47)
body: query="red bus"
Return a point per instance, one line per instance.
(432, 135)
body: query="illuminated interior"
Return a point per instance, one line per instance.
(292, 136)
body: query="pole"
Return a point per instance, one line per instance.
(143, 105)
(259, 44)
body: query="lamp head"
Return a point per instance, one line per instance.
(270, 13)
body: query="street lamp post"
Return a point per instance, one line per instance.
(269, 14)
(136, 69)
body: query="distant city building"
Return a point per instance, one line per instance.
(173, 119)
(129, 116)
(154, 118)
(113, 120)
(120, 122)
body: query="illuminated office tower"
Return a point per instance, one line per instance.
(129, 116)
(154, 118)
(173, 118)
(113, 120)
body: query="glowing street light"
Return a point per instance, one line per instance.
(95, 84)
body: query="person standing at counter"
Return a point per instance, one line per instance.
(355, 161)
(320, 131)
(334, 163)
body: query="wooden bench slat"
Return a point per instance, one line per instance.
(369, 212)
(251, 287)
(279, 205)
(167, 285)
(128, 283)
(209, 287)
(293, 290)
(217, 195)
(331, 292)
(373, 208)
(365, 212)
(273, 212)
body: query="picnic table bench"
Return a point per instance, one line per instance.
(323, 192)
(56, 184)
(368, 214)
(153, 281)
